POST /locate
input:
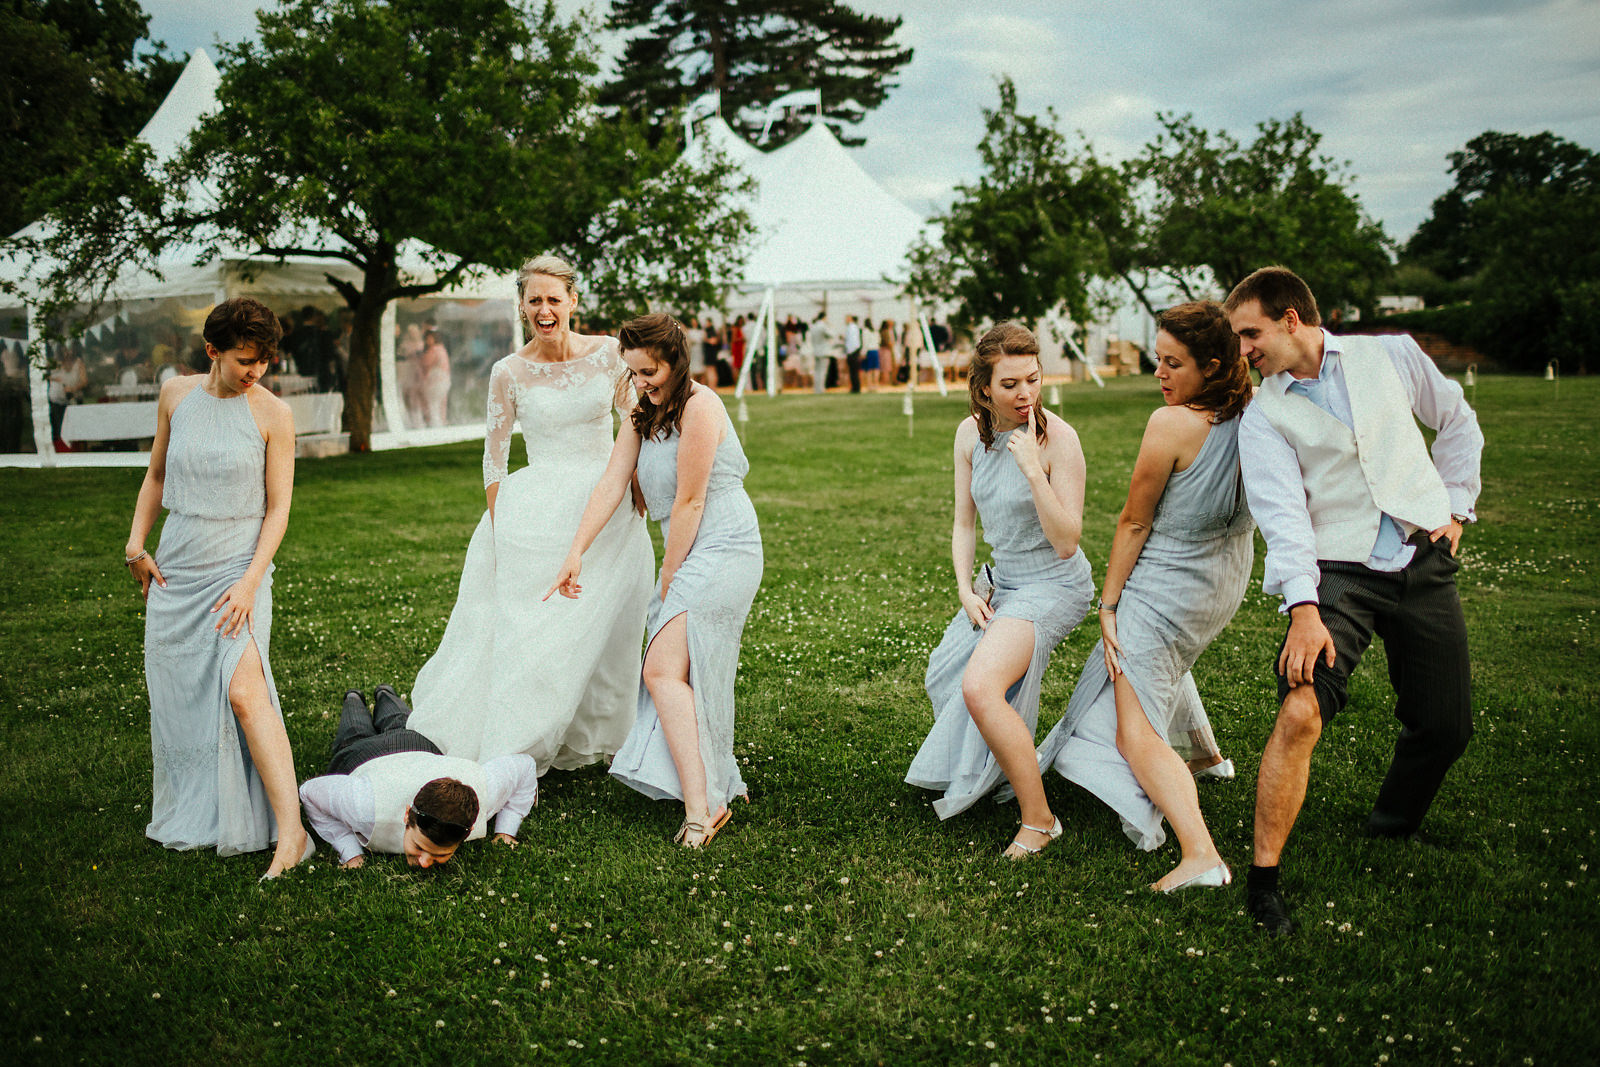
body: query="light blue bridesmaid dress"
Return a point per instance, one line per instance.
(1032, 583)
(715, 587)
(207, 791)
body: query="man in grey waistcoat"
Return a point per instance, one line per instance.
(1362, 526)
(390, 790)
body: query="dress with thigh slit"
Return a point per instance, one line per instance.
(1187, 583)
(1031, 583)
(714, 588)
(207, 790)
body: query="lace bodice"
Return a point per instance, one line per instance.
(564, 409)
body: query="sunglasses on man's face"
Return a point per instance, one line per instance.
(440, 831)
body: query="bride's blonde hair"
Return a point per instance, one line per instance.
(551, 266)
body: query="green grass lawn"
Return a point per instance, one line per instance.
(836, 920)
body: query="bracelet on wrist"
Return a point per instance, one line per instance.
(1111, 607)
(129, 561)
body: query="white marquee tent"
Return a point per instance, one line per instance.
(822, 223)
(236, 271)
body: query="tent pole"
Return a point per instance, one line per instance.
(932, 356)
(394, 409)
(39, 400)
(774, 373)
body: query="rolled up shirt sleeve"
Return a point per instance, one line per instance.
(1277, 496)
(340, 809)
(1441, 406)
(513, 790)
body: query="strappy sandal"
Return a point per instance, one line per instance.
(718, 821)
(1028, 851)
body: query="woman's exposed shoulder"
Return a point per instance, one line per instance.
(1055, 426)
(177, 387)
(967, 429)
(266, 405)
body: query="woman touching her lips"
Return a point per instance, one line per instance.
(1021, 470)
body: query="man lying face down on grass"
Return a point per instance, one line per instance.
(389, 789)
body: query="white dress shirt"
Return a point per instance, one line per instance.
(1277, 493)
(340, 806)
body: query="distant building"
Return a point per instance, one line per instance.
(1393, 305)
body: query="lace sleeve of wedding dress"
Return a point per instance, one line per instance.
(502, 416)
(623, 397)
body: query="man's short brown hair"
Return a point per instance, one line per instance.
(1276, 289)
(444, 810)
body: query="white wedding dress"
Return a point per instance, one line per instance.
(556, 679)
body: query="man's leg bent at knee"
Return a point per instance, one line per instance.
(1285, 771)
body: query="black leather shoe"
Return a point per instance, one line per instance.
(1270, 912)
(358, 694)
(1385, 829)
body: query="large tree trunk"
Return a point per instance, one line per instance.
(361, 386)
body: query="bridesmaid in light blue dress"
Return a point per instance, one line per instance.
(1180, 560)
(691, 469)
(1021, 470)
(223, 466)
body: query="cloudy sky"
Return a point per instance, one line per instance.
(1394, 87)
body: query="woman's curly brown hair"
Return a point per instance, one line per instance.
(1202, 327)
(664, 339)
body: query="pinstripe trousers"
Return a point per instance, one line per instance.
(362, 736)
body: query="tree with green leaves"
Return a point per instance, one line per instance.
(1452, 241)
(1520, 229)
(1024, 240)
(75, 76)
(1211, 209)
(753, 51)
(351, 129)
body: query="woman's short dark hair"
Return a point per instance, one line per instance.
(1202, 328)
(240, 322)
(664, 339)
(1003, 339)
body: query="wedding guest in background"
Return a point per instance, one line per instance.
(820, 338)
(408, 371)
(852, 351)
(435, 385)
(869, 357)
(1180, 561)
(911, 345)
(1020, 470)
(1362, 527)
(68, 379)
(388, 789)
(223, 466)
(691, 467)
(697, 349)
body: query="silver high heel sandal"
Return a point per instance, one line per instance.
(1028, 850)
(1223, 770)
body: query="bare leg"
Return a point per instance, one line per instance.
(1002, 657)
(1285, 769)
(666, 676)
(1166, 779)
(269, 751)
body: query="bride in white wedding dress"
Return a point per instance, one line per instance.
(558, 680)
